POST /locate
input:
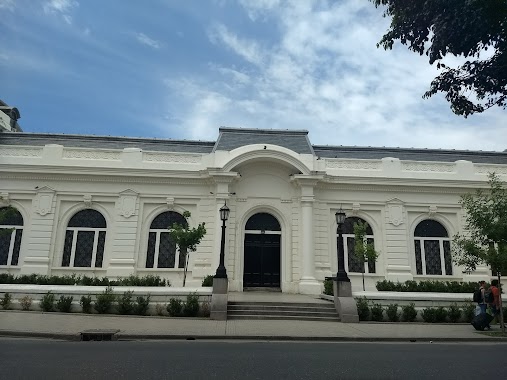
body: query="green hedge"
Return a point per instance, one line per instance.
(328, 287)
(132, 280)
(427, 286)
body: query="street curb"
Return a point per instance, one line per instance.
(130, 337)
(37, 334)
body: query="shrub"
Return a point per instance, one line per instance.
(207, 281)
(191, 307)
(408, 312)
(429, 315)
(377, 312)
(47, 302)
(132, 280)
(104, 301)
(26, 302)
(427, 286)
(142, 305)
(328, 287)
(159, 309)
(64, 304)
(362, 308)
(86, 304)
(175, 307)
(204, 310)
(468, 311)
(149, 280)
(440, 314)
(125, 303)
(392, 313)
(5, 302)
(454, 312)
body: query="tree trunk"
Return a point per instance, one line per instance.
(183, 251)
(363, 274)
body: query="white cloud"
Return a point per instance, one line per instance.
(324, 73)
(145, 40)
(64, 8)
(247, 49)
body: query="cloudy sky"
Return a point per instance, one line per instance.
(181, 69)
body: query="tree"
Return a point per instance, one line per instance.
(485, 238)
(472, 29)
(186, 239)
(5, 214)
(364, 250)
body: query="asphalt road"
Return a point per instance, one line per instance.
(46, 359)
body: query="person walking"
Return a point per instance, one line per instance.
(481, 302)
(495, 304)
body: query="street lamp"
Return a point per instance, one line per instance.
(224, 215)
(341, 275)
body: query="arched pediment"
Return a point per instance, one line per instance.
(265, 152)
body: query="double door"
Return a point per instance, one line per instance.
(262, 260)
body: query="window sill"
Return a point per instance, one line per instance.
(437, 277)
(74, 269)
(355, 274)
(161, 270)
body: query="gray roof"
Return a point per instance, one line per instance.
(413, 154)
(106, 142)
(232, 138)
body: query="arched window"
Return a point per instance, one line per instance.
(162, 252)
(11, 231)
(353, 263)
(84, 240)
(432, 248)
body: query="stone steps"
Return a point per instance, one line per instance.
(282, 311)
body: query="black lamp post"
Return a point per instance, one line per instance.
(224, 215)
(341, 275)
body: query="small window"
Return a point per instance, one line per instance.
(352, 262)
(11, 232)
(162, 252)
(432, 249)
(85, 239)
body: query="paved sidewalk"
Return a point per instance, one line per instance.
(69, 326)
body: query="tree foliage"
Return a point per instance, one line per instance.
(5, 214)
(186, 238)
(485, 238)
(468, 28)
(363, 250)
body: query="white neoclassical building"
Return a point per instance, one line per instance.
(101, 206)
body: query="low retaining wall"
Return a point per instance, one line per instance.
(420, 299)
(158, 295)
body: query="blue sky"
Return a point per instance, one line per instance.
(181, 69)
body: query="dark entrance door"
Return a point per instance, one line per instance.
(262, 260)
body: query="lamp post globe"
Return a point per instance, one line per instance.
(224, 215)
(341, 275)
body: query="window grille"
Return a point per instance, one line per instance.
(353, 263)
(432, 249)
(162, 251)
(85, 238)
(11, 233)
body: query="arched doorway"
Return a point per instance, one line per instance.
(262, 252)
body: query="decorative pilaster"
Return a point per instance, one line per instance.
(39, 243)
(123, 254)
(398, 267)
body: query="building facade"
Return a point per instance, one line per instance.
(101, 206)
